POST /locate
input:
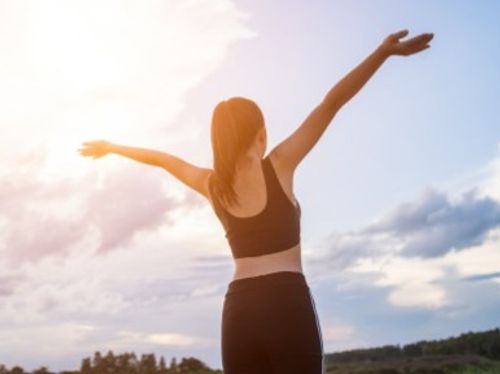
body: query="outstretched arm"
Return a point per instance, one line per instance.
(293, 149)
(191, 175)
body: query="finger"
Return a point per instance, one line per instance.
(415, 49)
(417, 38)
(399, 34)
(421, 48)
(415, 43)
(422, 38)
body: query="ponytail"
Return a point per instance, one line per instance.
(235, 123)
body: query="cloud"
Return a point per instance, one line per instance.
(43, 340)
(8, 284)
(412, 282)
(105, 68)
(127, 202)
(340, 337)
(46, 219)
(127, 81)
(28, 208)
(214, 264)
(481, 277)
(163, 339)
(477, 262)
(47, 292)
(432, 225)
(423, 251)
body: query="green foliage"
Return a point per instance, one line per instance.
(128, 363)
(486, 344)
(468, 369)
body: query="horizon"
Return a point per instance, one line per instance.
(168, 360)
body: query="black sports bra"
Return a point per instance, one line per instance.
(276, 228)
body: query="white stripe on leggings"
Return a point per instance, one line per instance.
(319, 332)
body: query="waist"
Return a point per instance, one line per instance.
(267, 281)
(287, 260)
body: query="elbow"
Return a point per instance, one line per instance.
(331, 106)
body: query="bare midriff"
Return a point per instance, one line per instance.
(287, 260)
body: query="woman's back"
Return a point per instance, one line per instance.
(264, 229)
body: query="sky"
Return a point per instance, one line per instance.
(400, 197)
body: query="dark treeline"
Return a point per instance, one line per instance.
(471, 344)
(486, 344)
(127, 363)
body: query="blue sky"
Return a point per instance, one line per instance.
(400, 198)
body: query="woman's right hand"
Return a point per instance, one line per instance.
(96, 148)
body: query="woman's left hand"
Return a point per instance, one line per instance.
(393, 46)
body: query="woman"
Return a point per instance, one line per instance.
(269, 320)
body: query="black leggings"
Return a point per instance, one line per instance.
(270, 325)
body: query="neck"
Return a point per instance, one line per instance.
(248, 162)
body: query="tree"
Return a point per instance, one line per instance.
(148, 364)
(97, 362)
(86, 366)
(161, 366)
(109, 362)
(42, 370)
(173, 365)
(17, 370)
(125, 364)
(191, 364)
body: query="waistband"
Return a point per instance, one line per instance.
(267, 280)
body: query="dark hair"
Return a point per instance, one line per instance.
(235, 123)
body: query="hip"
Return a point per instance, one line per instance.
(273, 309)
(266, 295)
(268, 282)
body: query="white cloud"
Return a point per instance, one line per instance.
(42, 341)
(164, 339)
(340, 336)
(410, 280)
(427, 283)
(424, 250)
(478, 260)
(418, 294)
(337, 333)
